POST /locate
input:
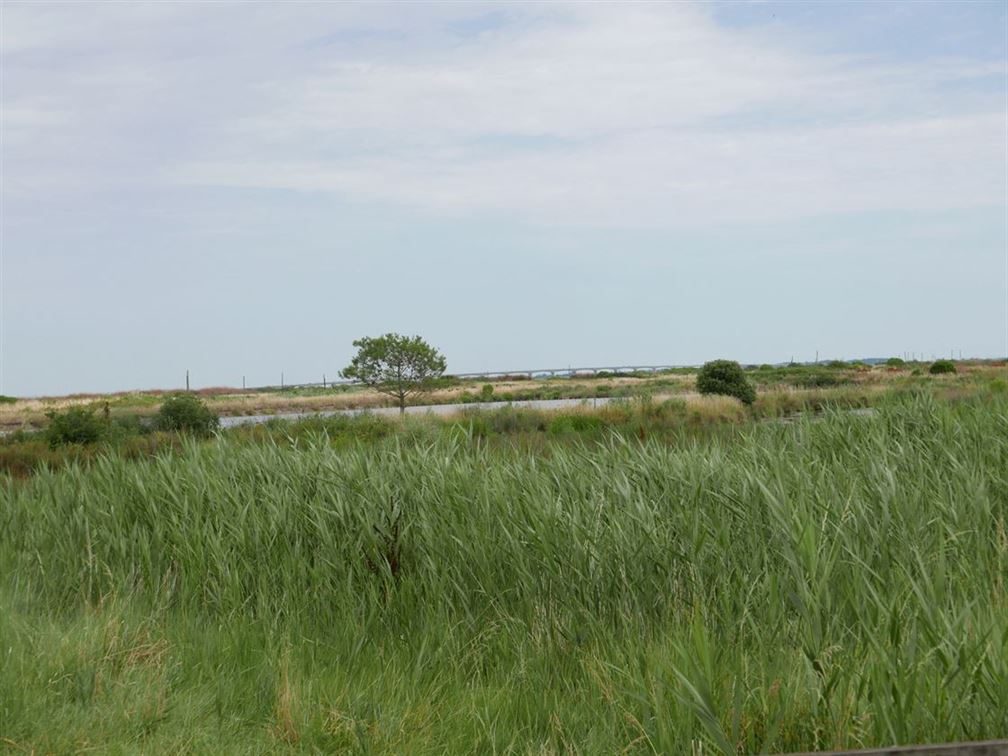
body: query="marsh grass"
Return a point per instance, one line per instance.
(31, 413)
(667, 417)
(835, 582)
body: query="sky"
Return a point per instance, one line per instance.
(240, 190)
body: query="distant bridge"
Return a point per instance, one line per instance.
(525, 373)
(569, 371)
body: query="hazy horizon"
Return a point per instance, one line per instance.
(244, 189)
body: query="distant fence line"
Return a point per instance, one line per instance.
(525, 373)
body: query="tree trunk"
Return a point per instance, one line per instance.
(402, 405)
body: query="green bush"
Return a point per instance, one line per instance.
(818, 379)
(725, 377)
(186, 413)
(75, 426)
(7, 399)
(895, 362)
(942, 366)
(486, 393)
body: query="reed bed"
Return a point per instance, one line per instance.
(829, 583)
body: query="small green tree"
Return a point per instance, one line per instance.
(188, 414)
(942, 366)
(400, 366)
(76, 425)
(725, 377)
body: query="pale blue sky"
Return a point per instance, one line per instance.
(243, 189)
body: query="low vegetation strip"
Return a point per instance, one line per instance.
(31, 413)
(816, 585)
(84, 432)
(981, 748)
(80, 435)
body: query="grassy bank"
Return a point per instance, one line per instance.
(833, 582)
(669, 418)
(22, 453)
(31, 413)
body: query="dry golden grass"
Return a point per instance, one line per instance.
(32, 412)
(715, 408)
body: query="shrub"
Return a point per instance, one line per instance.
(942, 366)
(727, 378)
(186, 413)
(818, 379)
(895, 362)
(7, 399)
(75, 426)
(486, 393)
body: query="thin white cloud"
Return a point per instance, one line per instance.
(635, 115)
(675, 178)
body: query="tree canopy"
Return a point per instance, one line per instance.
(397, 365)
(725, 377)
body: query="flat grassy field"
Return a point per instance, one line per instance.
(645, 579)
